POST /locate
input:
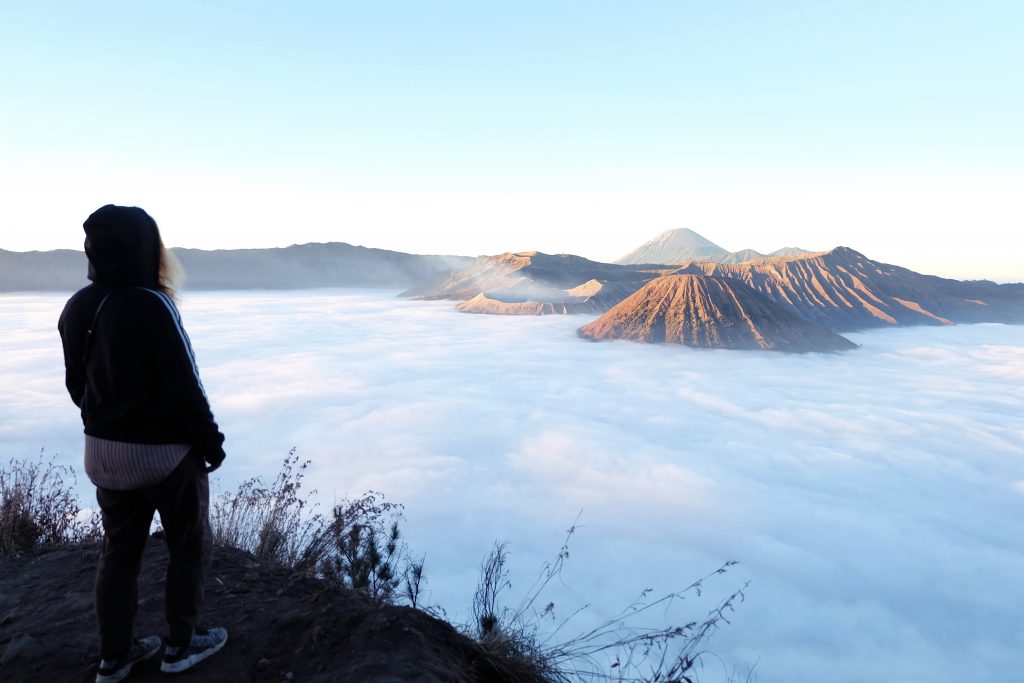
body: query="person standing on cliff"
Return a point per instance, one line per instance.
(150, 437)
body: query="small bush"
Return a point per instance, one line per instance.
(38, 507)
(267, 521)
(359, 546)
(614, 650)
(363, 549)
(508, 637)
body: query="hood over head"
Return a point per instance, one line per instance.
(123, 246)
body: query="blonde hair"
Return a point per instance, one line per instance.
(171, 274)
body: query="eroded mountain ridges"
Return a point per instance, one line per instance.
(837, 291)
(710, 312)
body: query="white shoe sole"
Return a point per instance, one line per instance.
(191, 660)
(124, 673)
(115, 677)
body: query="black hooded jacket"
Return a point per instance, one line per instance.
(129, 364)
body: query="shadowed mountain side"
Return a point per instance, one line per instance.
(534, 275)
(280, 626)
(745, 255)
(334, 264)
(683, 244)
(736, 256)
(61, 270)
(788, 251)
(711, 313)
(843, 290)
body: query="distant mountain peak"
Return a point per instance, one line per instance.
(683, 245)
(674, 246)
(684, 237)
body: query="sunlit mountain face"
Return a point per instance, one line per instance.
(709, 312)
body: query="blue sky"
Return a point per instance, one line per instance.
(480, 127)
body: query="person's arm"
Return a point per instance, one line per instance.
(74, 371)
(179, 376)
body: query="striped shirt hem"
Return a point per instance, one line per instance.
(123, 466)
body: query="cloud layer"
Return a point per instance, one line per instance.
(873, 499)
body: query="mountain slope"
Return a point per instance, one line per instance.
(843, 290)
(675, 246)
(682, 245)
(789, 251)
(58, 270)
(282, 626)
(532, 283)
(593, 297)
(839, 290)
(545, 272)
(710, 312)
(482, 303)
(334, 264)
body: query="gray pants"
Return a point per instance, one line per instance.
(183, 501)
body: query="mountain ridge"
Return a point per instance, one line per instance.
(710, 312)
(837, 290)
(318, 264)
(843, 290)
(516, 277)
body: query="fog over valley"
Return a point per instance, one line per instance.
(684, 285)
(873, 498)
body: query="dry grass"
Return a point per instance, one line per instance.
(267, 521)
(358, 545)
(38, 507)
(618, 649)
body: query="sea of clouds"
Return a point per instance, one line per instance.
(874, 500)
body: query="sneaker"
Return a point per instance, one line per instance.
(113, 670)
(204, 643)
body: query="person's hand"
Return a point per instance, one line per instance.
(213, 458)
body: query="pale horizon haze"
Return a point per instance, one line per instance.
(483, 127)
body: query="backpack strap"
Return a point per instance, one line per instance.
(92, 326)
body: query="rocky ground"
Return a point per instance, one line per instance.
(282, 627)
